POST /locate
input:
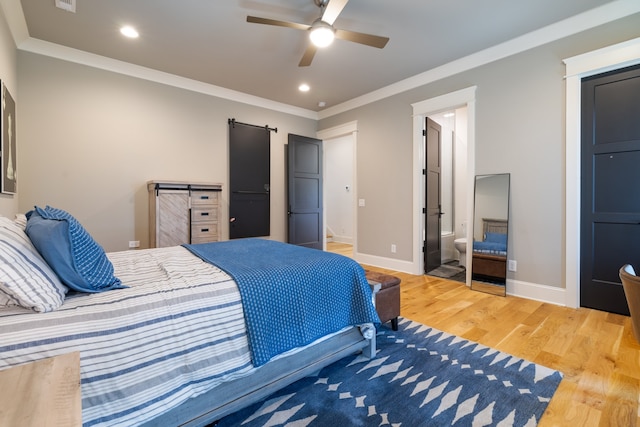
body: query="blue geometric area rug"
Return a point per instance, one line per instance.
(420, 377)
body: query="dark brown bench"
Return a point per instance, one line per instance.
(387, 298)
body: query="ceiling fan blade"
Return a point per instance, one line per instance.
(362, 38)
(308, 55)
(332, 10)
(267, 21)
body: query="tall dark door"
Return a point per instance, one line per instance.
(432, 248)
(305, 191)
(610, 193)
(249, 181)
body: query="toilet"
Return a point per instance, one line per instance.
(461, 246)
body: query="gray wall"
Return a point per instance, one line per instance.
(91, 139)
(520, 103)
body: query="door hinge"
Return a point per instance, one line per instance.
(424, 211)
(424, 171)
(424, 132)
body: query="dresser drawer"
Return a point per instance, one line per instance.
(206, 231)
(204, 213)
(204, 198)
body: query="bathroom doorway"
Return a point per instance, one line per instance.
(464, 99)
(453, 194)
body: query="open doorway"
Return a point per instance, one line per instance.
(340, 186)
(464, 101)
(452, 195)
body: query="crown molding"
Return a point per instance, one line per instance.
(14, 15)
(592, 18)
(598, 16)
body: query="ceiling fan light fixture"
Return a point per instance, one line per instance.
(322, 34)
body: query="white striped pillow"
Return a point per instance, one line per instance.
(25, 278)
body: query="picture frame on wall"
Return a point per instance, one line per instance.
(8, 142)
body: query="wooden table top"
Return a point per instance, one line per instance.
(45, 393)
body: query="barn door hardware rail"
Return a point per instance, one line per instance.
(233, 123)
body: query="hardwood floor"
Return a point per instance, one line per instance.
(596, 351)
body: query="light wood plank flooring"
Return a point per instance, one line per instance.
(596, 351)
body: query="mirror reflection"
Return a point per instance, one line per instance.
(490, 232)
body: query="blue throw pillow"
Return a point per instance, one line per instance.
(70, 251)
(496, 238)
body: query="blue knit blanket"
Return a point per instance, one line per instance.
(291, 295)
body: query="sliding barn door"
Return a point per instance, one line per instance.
(249, 181)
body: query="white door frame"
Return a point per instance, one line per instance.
(578, 67)
(350, 128)
(464, 97)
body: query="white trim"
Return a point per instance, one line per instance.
(601, 15)
(592, 18)
(383, 262)
(534, 291)
(342, 239)
(338, 131)
(588, 64)
(101, 62)
(15, 20)
(421, 110)
(349, 128)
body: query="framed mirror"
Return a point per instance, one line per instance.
(490, 234)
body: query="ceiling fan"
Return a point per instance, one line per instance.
(322, 31)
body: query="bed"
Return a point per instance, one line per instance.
(490, 254)
(178, 340)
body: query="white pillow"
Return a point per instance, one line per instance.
(25, 278)
(21, 220)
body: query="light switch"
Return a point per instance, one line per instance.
(361, 202)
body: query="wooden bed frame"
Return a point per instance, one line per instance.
(234, 395)
(490, 266)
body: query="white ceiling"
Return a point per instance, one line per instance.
(210, 41)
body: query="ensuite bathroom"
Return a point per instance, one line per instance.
(453, 190)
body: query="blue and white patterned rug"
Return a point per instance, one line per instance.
(420, 377)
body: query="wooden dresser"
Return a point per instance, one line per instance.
(183, 212)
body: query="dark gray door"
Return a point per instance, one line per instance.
(610, 207)
(432, 248)
(305, 191)
(249, 181)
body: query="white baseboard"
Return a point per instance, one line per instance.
(534, 291)
(343, 239)
(382, 262)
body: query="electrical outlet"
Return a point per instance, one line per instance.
(361, 202)
(134, 244)
(393, 249)
(513, 265)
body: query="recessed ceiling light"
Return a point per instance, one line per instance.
(129, 31)
(304, 87)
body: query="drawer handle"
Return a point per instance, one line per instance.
(204, 230)
(204, 197)
(204, 213)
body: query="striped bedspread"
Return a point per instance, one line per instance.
(176, 332)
